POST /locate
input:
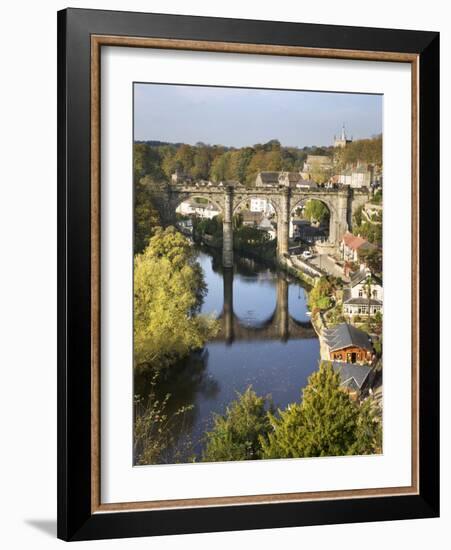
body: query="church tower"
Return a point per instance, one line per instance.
(342, 141)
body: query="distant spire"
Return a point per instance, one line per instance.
(343, 132)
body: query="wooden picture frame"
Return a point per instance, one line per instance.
(81, 35)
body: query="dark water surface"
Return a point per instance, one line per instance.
(266, 340)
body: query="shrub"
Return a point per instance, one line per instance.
(236, 435)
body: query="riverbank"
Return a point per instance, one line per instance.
(319, 324)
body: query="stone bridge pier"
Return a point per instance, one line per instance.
(283, 224)
(338, 222)
(342, 203)
(227, 310)
(227, 229)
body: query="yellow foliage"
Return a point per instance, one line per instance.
(167, 285)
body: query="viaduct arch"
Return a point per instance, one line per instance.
(342, 203)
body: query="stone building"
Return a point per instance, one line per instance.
(260, 204)
(351, 245)
(355, 296)
(342, 140)
(267, 179)
(358, 177)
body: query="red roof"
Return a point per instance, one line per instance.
(351, 241)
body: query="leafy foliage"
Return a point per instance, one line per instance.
(320, 297)
(146, 216)
(201, 161)
(168, 288)
(363, 150)
(237, 435)
(326, 423)
(319, 173)
(316, 211)
(153, 434)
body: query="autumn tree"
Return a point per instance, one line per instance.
(363, 150)
(168, 286)
(184, 158)
(220, 168)
(201, 163)
(319, 173)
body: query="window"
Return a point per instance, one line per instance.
(360, 292)
(374, 293)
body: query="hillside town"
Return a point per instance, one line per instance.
(346, 300)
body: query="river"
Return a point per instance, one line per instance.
(266, 340)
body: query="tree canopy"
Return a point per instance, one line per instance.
(168, 288)
(236, 435)
(316, 210)
(319, 298)
(363, 150)
(326, 423)
(146, 216)
(216, 162)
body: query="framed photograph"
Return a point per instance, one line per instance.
(248, 274)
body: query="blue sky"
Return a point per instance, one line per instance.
(240, 116)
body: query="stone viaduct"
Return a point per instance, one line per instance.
(342, 203)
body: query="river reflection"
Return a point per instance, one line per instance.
(266, 340)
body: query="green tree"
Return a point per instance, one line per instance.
(146, 217)
(358, 217)
(320, 297)
(326, 423)
(240, 160)
(237, 434)
(316, 210)
(368, 433)
(146, 162)
(168, 287)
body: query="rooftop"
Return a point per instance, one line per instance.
(269, 177)
(362, 275)
(293, 177)
(345, 335)
(352, 241)
(362, 301)
(352, 376)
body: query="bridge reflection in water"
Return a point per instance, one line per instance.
(280, 325)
